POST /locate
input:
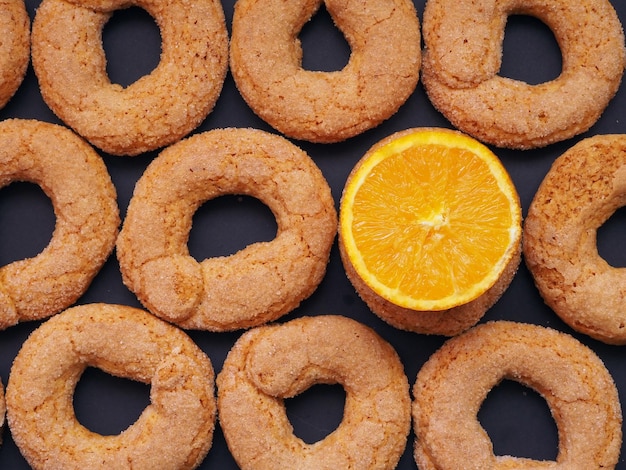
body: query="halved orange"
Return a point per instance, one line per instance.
(429, 219)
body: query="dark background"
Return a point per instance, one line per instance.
(516, 418)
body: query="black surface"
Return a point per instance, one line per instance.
(516, 418)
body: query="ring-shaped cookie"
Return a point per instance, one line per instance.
(258, 283)
(156, 110)
(271, 363)
(580, 192)
(456, 380)
(462, 57)
(74, 177)
(174, 431)
(14, 47)
(382, 72)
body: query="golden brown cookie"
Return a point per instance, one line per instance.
(174, 432)
(462, 57)
(583, 188)
(455, 381)
(76, 180)
(271, 363)
(383, 70)
(260, 282)
(156, 110)
(14, 47)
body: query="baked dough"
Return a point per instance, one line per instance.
(582, 189)
(76, 180)
(462, 56)
(455, 381)
(261, 282)
(271, 363)
(174, 432)
(325, 107)
(159, 108)
(14, 47)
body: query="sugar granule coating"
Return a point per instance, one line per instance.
(271, 363)
(580, 192)
(74, 177)
(576, 385)
(259, 283)
(325, 107)
(174, 431)
(462, 57)
(156, 110)
(14, 47)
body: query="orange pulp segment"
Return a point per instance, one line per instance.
(429, 219)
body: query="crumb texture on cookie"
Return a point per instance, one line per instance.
(14, 47)
(159, 108)
(75, 178)
(325, 107)
(174, 432)
(462, 57)
(580, 192)
(455, 381)
(259, 283)
(271, 363)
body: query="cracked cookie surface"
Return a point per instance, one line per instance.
(581, 191)
(463, 53)
(174, 431)
(576, 385)
(271, 363)
(156, 110)
(325, 107)
(14, 47)
(75, 178)
(259, 283)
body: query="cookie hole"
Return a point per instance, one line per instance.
(519, 422)
(610, 237)
(28, 221)
(108, 405)
(132, 44)
(316, 412)
(324, 47)
(530, 52)
(227, 224)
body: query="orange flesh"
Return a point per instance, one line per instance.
(430, 223)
